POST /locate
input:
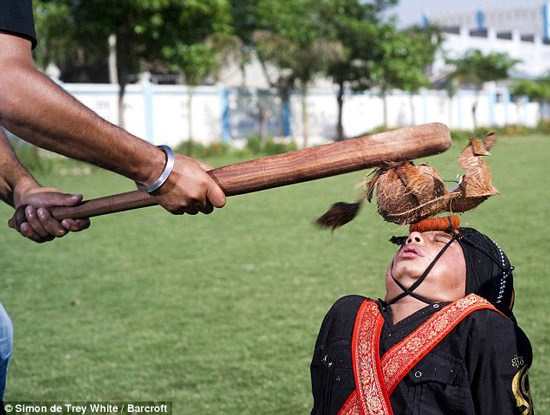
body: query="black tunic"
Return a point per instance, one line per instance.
(16, 17)
(479, 368)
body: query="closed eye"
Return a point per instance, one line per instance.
(441, 238)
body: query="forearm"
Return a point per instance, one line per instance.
(40, 112)
(14, 178)
(36, 109)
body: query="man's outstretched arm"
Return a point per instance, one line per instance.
(36, 109)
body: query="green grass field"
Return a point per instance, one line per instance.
(219, 313)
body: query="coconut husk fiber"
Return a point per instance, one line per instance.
(406, 193)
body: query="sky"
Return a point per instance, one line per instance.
(410, 12)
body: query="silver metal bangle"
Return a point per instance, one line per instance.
(165, 173)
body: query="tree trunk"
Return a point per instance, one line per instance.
(474, 110)
(340, 99)
(264, 118)
(541, 112)
(305, 116)
(518, 102)
(385, 106)
(413, 112)
(113, 76)
(451, 111)
(121, 92)
(123, 70)
(190, 118)
(284, 93)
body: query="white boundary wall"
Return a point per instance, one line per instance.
(159, 113)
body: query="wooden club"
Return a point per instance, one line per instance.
(280, 170)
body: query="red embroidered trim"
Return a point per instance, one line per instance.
(371, 393)
(401, 358)
(351, 406)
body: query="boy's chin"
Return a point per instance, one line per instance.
(407, 271)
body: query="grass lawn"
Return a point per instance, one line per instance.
(219, 313)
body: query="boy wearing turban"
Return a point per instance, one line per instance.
(443, 341)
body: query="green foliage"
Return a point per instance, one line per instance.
(191, 148)
(376, 130)
(356, 25)
(44, 162)
(150, 34)
(254, 144)
(544, 127)
(196, 62)
(475, 68)
(525, 87)
(218, 149)
(29, 156)
(405, 57)
(198, 47)
(200, 151)
(463, 136)
(346, 39)
(537, 90)
(289, 36)
(273, 147)
(253, 148)
(57, 34)
(245, 19)
(507, 130)
(374, 52)
(517, 130)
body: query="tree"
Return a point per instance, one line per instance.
(424, 44)
(357, 26)
(245, 23)
(537, 90)
(474, 68)
(290, 38)
(298, 64)
(142, 30)
(200, 51)
(56, 34)
(319, 56)
(405, 56)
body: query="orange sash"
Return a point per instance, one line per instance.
(375, 378)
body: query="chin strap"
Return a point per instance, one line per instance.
(409, 291)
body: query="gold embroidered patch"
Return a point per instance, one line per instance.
(517, 361)
(520, 388)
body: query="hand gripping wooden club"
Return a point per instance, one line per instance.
(294, 167)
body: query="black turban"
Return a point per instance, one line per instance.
(488, 270)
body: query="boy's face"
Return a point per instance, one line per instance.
(447, 279)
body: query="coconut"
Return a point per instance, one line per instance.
(406, 193)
